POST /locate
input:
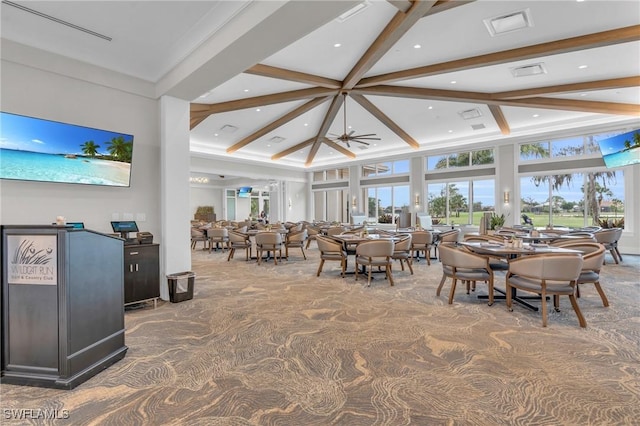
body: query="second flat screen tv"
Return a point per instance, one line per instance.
(621, 150)
(35, 149)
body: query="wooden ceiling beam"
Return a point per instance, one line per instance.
(298, 77)
(444, 5)
(395, 29)
(614, 83)
(424, 93)
(498, 115)
(298, 147)
(366, 104)
(575, 105)
(324, 128)
(338, 147)
(200, 113)
(277, 123)
(589, 41)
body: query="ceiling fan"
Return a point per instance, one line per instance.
(350, 137)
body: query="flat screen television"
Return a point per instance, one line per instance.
(621, 150)
(34, 149)
(245, 192)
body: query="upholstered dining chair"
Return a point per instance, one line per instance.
(402, 251)
(312, 232)
(609, 238)
(269, 242)
(331, 249)
(546, 275)
(296, 239)
(219, 237)
(496, 264)
(563, 242)
(460, 264)
(238, 240)
(335, 230)
(422, 241)
(592, 261)
(447, 237)
(198, 235)
(375, 253)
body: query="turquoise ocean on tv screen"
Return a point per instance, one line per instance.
(27, 165)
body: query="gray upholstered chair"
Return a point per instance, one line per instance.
(312, 232)
(331, 249)
(564, 242)
(238, 240)
(497, 264)
(219, 237)
(198, 234)
(269, 242)
(546, 275)
(402, 251)
(609, 238)
(296, 239)
(335, 230)
(375, 253)
(460, 264)
(422, 241)
(592, 261)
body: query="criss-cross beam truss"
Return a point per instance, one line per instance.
(355, 86)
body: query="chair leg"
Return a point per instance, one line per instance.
(231, 252)
(453, 290)
(444, 277)
(389, 274)
(490, 287)
(409, 262)
(556, 302)
(605, 302)
(303, 253)
(369, 276)
(320, 267)
(618, 253)
(574, 303)
(613, 254)
(344, 267)
(544, 309)
(508, 296)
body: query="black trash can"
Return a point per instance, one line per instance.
(181, 286)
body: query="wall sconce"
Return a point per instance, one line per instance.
(289, 203)
(506, 197)
(354, 203)
(417, 200)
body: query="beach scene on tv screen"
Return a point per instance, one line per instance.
(621, 150)
(42, 150)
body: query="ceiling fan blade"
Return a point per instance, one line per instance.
(368, 134)
(351, 132)
(362, 142)
(369, 139)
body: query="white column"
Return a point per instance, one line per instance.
(417, 187)
(175, 248)
(506, 182)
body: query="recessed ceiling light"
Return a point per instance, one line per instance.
(583, 94)
(453, 82)
(416, 46)
(430, 107)
(508, 23)
(450, 131)
(306, 124)
(257, 109)
(215, 134)
(536, 115)
(268, 145)
(581, 67)
(337, 45)
(246, 90)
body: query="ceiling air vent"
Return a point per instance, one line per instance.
(477, 126)
(470, 114)
(363, 147)
(228, 128)
(507, 23)
(527, 70)
(353, 11)
(276, 139)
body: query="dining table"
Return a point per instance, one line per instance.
(508, 251)
(350, 242)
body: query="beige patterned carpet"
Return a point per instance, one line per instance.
(274, 345)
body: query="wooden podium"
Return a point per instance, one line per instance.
(62, 305)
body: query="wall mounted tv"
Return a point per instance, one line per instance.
(245, 192)
(35, 149)
(621, 150)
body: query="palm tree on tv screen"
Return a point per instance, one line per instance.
(120, 149)
(90, 148)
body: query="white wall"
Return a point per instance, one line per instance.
(31, 91)
(203, 196)
(297, 194)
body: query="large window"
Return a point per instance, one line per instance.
(386, 168)
(574, 199)
(461, 159)
(386, 203)
(460, 202)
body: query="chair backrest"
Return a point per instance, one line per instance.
(218, 232)
(607, 236)
(593, 261)
(419, 238)
(312, 230)
(237, 237)
(584, 246)
(456, 257)
(553, 267)
(424, 220)
(297, 236)
(335, 230)
(268, 239)
(375, 248)
(197, 233)
(358, 219)
(404, 243)
(328, 245)
(450, 236)
(563, 242)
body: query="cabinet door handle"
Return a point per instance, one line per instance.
(136, 267)
(130, 268)
(133, 253)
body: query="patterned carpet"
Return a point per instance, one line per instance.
(275, 345)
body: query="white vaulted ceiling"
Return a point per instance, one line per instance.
(231, 58)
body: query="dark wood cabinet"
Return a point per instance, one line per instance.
(141, 273)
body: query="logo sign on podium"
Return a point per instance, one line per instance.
(32, 259)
